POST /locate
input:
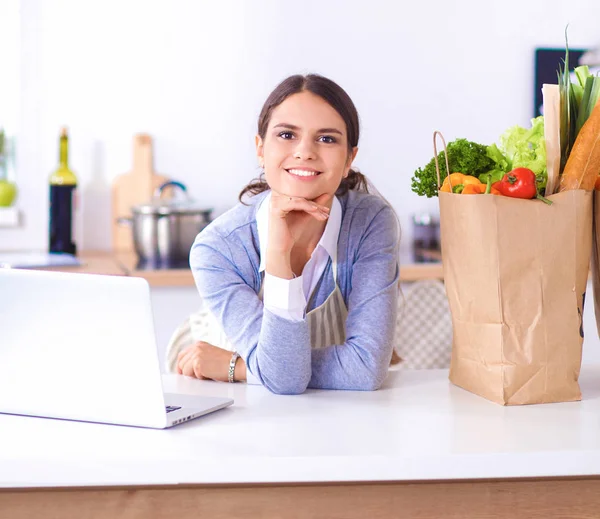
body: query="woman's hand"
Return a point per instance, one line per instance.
(205, 361)
(288, 218)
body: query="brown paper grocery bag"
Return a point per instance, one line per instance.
(515, 273)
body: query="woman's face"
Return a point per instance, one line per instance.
(305, 149)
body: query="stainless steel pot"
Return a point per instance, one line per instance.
(164, 230)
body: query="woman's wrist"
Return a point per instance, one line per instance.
(279, 264)
(239, 374)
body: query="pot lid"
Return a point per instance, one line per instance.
(181, 204)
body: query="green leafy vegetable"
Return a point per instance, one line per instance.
(502, 165)
(499, 158)
(464, 156)
(526, 148)
(590, 88)
(568, 108)
(577, 100)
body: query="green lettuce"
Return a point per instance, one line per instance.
(526, 148)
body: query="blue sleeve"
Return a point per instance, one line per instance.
(276, 350)
(362, 362)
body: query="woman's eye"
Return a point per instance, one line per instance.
(328, 139)
(286, 135)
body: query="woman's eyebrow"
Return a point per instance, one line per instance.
(294, 127)
(330, 130)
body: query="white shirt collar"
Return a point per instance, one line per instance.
(328, 240)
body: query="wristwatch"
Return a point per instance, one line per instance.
(234, 357)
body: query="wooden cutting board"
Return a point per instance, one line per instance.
(133, 188)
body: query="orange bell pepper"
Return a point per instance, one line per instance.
(458, 182)
(478, 189)
(597, 184)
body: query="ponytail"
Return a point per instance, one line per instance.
(355, 181)
(256, 186)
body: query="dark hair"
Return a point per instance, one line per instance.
(338, 99)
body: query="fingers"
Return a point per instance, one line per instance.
(190, 360)
(196, 367)
(183, 357)
(283, 205)
(186, 365)
(188, 368)
(324, 199)
(180, 357)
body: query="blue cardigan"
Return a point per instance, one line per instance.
(225, 260)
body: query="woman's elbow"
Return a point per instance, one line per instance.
(371, 380)
(294, 386)
(371, 384)
(287, 389)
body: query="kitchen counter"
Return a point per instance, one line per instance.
(156, 277)
(124, 264)
(94, 263)
(418, 447)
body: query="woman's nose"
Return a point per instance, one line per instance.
(304, 150)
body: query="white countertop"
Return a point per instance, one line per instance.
(418, 427)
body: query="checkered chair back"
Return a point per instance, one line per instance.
(424, 327)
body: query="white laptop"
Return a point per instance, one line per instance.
(82, 347)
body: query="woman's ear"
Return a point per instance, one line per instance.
(259, 150)
(351, 157)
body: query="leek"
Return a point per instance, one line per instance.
(568, 108)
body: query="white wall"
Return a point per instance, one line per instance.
(194, 74)
(9, 68)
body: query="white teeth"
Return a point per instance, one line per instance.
(302, 173)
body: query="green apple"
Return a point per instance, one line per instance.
(8, 193)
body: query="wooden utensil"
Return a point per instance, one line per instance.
(133, 188)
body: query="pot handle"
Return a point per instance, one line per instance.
(162, 187)
(125, 220)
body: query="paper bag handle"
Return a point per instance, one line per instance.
(437, 166)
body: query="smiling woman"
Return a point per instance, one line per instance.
(300, 283)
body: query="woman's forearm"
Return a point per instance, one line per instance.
(282, 358)
(275, 350)
(279, 263)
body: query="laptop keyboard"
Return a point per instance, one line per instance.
(172, 408)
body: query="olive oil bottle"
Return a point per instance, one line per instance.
(63, 184)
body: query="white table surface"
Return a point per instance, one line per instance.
(418, 427)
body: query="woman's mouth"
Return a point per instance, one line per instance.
(303, 173)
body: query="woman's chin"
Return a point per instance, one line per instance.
(312, 195)
(307, 192)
